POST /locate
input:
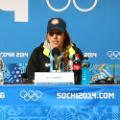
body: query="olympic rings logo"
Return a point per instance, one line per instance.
(113, 55)
(74, 3)
(30, 95)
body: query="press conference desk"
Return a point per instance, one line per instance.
(35, 102)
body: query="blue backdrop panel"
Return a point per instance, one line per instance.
(95, 31)
(93, 25)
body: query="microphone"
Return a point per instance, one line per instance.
(55, 51)
(56, 59)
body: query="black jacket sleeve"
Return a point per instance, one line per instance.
(32, 66)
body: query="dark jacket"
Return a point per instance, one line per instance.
(39, 61)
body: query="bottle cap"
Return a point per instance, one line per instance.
(77, 55)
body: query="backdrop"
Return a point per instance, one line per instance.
(93, 25)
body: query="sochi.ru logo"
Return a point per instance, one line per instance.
(31, 95)
(114, 55)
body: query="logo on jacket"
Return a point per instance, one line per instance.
(47, 64)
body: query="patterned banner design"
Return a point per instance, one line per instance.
(59, 102)
(13, 72)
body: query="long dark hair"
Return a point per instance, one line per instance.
(66, 46)
(67, 40)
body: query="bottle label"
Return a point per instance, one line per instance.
(76, 67)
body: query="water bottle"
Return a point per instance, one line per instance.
(77, 69)
(1, 72)
(85, 72)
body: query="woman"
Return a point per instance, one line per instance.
(57, 37)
